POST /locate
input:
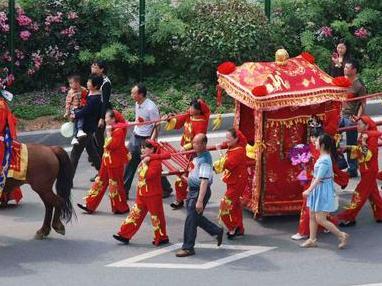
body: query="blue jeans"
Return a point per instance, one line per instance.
(78, 123)
(193, 220)
(351, 139)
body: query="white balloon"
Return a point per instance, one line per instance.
(67, 129)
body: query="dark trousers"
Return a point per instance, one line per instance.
(135, 144)
(88, 144)
(195, 220)
(351, 139)
(99, 139)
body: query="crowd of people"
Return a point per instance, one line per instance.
(102, 131)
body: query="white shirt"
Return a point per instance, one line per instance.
(148, 111)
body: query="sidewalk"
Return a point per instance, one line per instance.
(54, 137)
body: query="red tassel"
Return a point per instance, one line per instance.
(219, 95)
(308, 57)
(260, 90)
(226, 68)
(341, 81)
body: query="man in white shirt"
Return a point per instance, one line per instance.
(145, 110)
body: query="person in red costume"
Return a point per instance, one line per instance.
(115, 157)
(341, 178)
(194, 121)
(234, 166)
(149, 198)
(366, 152)
(7, 135)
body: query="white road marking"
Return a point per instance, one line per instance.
(374, 284)
(135, 262)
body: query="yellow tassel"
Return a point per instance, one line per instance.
(217, 123)
(170, 125)
(219, 165)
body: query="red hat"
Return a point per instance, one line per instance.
(155, 144)
(242, 139)
(371, 126)
(204, 108)
(118, 117)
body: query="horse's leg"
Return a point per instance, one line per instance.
(44, 231)
(57, 225)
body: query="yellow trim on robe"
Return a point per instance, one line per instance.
(22, 174)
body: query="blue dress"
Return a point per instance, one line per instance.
(322, 197)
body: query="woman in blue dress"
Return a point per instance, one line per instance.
(321, 195)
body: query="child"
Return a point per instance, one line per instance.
(149, 199)
(115, 157)
(321, 196)
(75, 100)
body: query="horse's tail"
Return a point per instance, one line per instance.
(64, 183)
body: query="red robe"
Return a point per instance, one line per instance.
(7, 120)
(235, 173)
(367, 188)
(114, 158)
(192, 125)
(149, 199)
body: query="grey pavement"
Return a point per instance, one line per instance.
(82, 256)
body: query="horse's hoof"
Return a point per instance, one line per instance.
(40, 235)
(60, 230)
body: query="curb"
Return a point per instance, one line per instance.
(53, 136)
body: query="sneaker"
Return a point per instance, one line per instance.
(81, 133)
(298, 236)
(75, 141)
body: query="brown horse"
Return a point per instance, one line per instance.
(45, 166)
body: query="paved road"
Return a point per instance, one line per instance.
(265, 256)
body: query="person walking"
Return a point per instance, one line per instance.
(90, 114)
(145, 110)
(321, 195)
(199, 192)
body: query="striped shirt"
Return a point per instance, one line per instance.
(202, 170)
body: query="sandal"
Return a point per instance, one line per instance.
(309, 243)
(343, 240)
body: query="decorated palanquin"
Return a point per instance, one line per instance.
(273, 102)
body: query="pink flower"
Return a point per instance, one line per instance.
(357, 8)
(17, 63)
(31, 72)
(25, 35)
(37, 60)
(19, 55)
(72, 15)
(63, 89)
(50, 19)
(34, 27)
(325, 32)
(4, 27)
(10, 79)
(24, 20)
(6, 57)
(361, 33)
(69, 32)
